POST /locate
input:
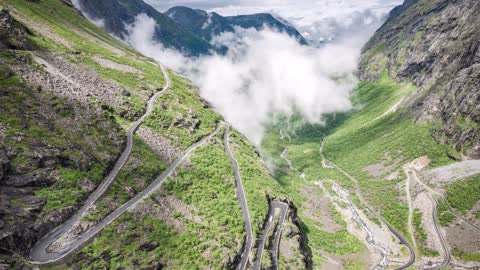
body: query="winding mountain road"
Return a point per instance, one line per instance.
(40, 254)
(400, 237)
(444, 200)
(448, 256)
(247, 247)
(412, 174)
(283, 209)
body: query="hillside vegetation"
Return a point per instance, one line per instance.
(69, 93)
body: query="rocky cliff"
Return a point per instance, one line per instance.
(43, 138)
(435, 45)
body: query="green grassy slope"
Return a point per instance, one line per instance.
(211, 239)
(359, 142)
(79, 41)
(84, 155)
(205, 187)
(366, 136)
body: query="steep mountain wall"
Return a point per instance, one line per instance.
(435, 45)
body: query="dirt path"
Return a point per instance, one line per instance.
(411, 230)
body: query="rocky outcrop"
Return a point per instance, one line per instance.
(41, 134)
(295, 241)
(435, 45)
(3, 160)
(75, 83)
(13, 35)
(162, 146)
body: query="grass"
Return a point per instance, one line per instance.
(141, 169)
(340, 242)
(354, 265)
(69, 191)
(67, 24)
(181, 115)
(444, 216)
(206, 184)
(466, 256)
(147, 81)
(463, 195)
(421, 235)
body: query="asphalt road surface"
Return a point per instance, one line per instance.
(283, 208)
(243, 203)
(39, 254)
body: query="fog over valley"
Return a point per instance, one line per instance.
(239, 134)
(266, 73)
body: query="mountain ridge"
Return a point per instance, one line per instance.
(187, 30)
(211, 24)
(116, 14)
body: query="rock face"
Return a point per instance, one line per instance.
(207, 25)
(41, 134)
(12, 34)
(435, 45)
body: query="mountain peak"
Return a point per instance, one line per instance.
(207, 25)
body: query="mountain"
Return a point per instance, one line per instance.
(435, 46)
(109, 158)
(116, 14)
(207, 25)
(408, 154)
(187, 30)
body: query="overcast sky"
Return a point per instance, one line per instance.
(316, 19)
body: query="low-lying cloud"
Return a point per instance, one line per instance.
(265, 73)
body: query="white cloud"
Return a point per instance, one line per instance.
(264, 73)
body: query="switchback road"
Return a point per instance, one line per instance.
(283, 209)
(40, 254)
(247, 247)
